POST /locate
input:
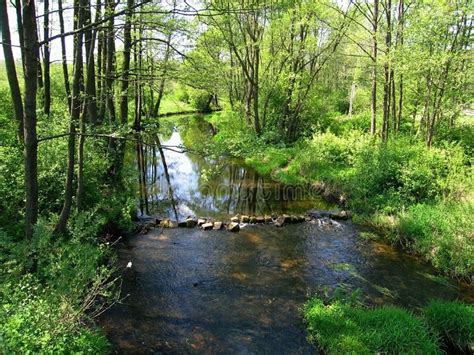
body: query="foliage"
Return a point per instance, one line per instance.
(201, 100)
(452, 321)
(342, 327)
(51, 288)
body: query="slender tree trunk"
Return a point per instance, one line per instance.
(19, 23)
(375, 20)
(351, 98)
(46, 61)
(40, 75)
(110, 67)
(89, 43)
(388, 76)
(401, 13)
(31, 54)
(255, 91)
(126, 63)
(89, 103)
(161, 88)
(75, 114)
(80, 159)
(393, 99)
(10, 67)
(67, 87)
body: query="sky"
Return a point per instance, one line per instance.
(68, 16)
(54, 25)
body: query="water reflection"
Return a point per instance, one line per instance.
(177, 185)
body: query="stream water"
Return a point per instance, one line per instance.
(195, 291)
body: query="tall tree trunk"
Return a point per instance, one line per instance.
(89, 43)
(375, 20)
(401, 23)
(351, 98)
(80, 159)
(126, 63)
(19, 24)
(31, 55)
(75, 114)
(161, 88)
(255, 91)
(67, 87)
(110, 67)
(387, 72)
(10, 67)
(393, 99)
(46, 60)
(89, 103)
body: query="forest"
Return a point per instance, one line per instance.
(366, 105)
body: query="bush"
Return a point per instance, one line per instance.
(451, 321)
(342, 328)
(51, 288)
(201, 101)
(442, 233)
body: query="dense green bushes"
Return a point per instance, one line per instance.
(344, 326)
(52, 286)
(421, 198)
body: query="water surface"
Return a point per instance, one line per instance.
(194, 291)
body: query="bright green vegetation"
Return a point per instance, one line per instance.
(451, 321)
(53, 286)
(345, 326)
(366, 101)
(375, 118)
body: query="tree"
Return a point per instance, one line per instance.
(10, 67)
(76, 105)
(46, 60)
(31, 57)
(126, 63)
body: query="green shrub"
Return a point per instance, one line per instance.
(451, 321)
(51, 288)
(442, 233)
(34, 320)
(201, 101)
(344, 328)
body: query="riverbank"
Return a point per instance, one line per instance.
(416, 197)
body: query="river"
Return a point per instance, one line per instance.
(195, 291)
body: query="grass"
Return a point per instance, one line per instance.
(345, 328)
(451, 321)
(172, 105)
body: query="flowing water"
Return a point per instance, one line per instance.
(195, 291)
